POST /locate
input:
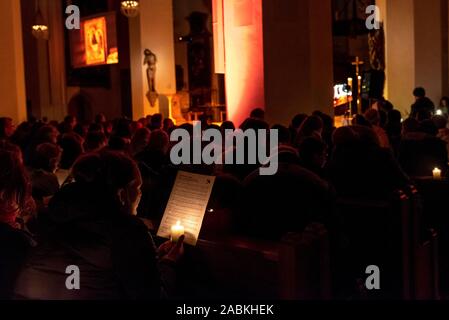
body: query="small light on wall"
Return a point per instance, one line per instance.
(40, 27)
(130, 9)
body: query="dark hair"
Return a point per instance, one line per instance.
(310, 125)
(156, 121)
(440, 122)
(298, 120)
(258, 113)
(43, 156)
(100, 118)
(429, 127)
(159, 140)
(108, 169)
(360, 120)
(227, 125)
(311, 146)
(410, 125)
(72, 148)
(15, 187)
(284, 133)
(96, 127)
(95, 140)
(4, 122)
(419, 92)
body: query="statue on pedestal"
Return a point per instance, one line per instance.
(150, 61)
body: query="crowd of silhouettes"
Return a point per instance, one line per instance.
(93, 194)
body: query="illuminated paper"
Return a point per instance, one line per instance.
(187, 205)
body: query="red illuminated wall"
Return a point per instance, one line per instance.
(243, 37)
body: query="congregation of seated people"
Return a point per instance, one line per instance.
(93, 194)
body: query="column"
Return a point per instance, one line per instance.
(12, 80)
(298, 50)
(278, 56)
(152, 29)
(416, 31)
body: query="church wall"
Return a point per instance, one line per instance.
(12, 80)
(428, 48)
(400, 53)
(298, 58)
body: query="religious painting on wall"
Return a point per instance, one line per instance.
(95, 39)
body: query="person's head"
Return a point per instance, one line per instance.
(258, 113)
(423, 114)
(373, 117)
(410, 125)
(254, 124)
(366, 136)
(7, 127)
(312, 126)
(96, 127)
(440, 122)
(81, 130)
(360, 120)
(123, 129)
(313, 152)
(284, 135)
(227, 125)
(159, 141)
(419, 92)
(113, 173)
(328, 121)
(46, 157)
(444, 102)
(95, 140)
(47, 134)
(70, 121)
(298, 120)
(168, 125)
(72, 149)
(15, 187)
(344, 136)
(140, 140)
(100, 118)
(428, 127)
(156, 121)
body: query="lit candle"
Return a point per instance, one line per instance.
(437, 173)
(350, 82)
(177, 231)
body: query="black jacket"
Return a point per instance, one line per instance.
(115, 253)
(14, 247)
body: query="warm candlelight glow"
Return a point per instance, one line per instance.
(130, 8)
(177, 231)
(436, 173)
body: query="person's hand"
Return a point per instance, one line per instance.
(172, 252)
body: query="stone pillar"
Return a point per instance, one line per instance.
(298, 52)
(12, 79)
(278, 56)
(152, 29)
(416, 31)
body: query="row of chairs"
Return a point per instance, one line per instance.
(308, 265)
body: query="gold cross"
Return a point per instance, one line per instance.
(357, 63)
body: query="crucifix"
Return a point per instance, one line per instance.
(357, 63)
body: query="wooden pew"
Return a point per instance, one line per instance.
(378, 233)
(240, 268)
(391, 235)
(424, 244)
